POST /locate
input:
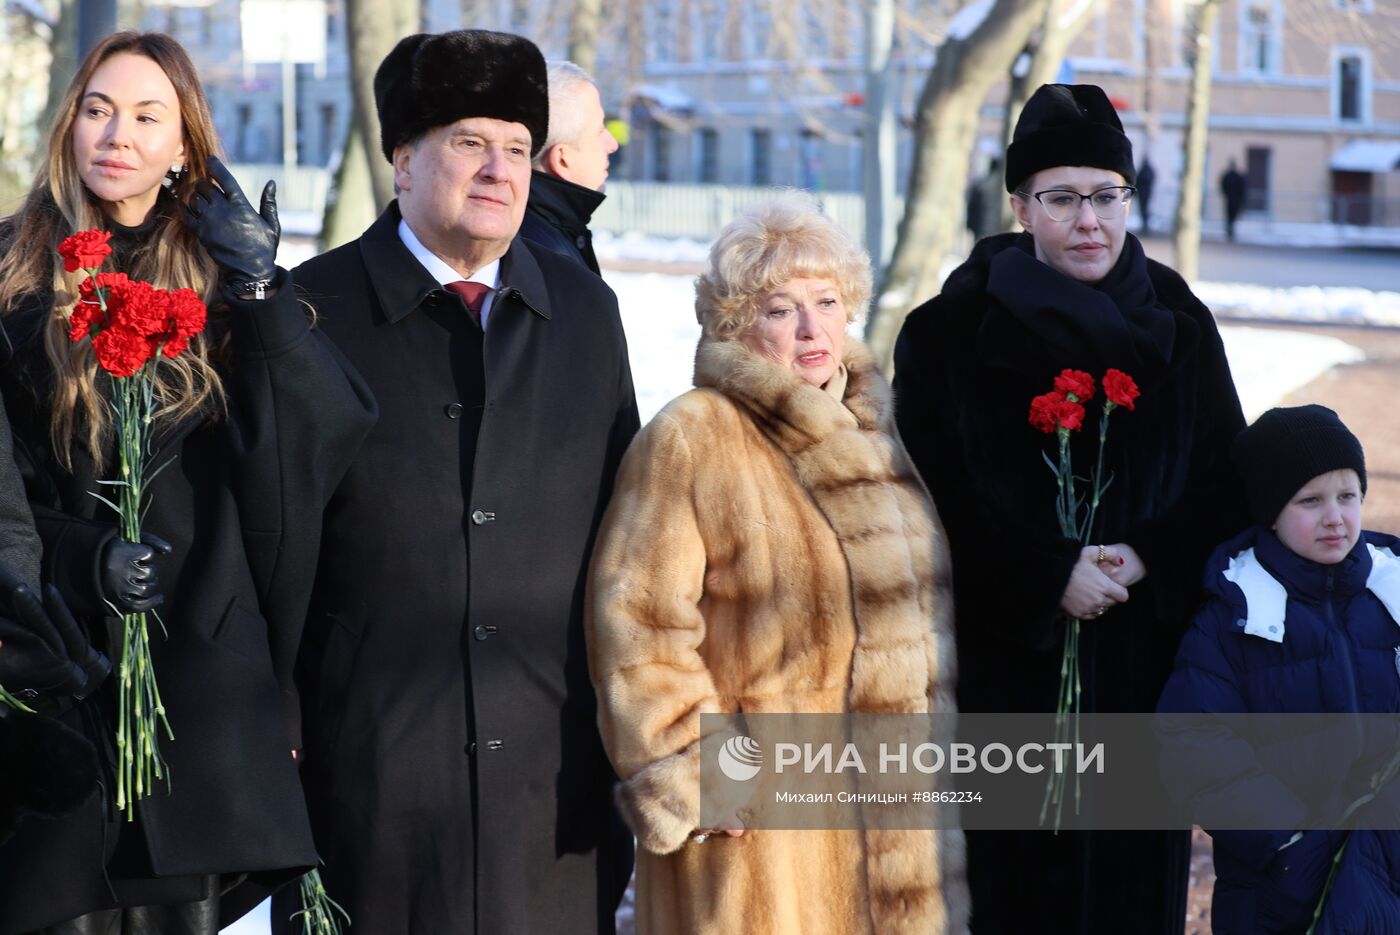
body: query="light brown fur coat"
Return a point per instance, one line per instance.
(770, 550)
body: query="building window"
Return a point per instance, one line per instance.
(1261, 37)
(761, 157)
(707, 155)
(241, 142)
(328, 139)
(709, 32)
(1351, 85)
(660, 153)
(661, 32)
(1257, 171)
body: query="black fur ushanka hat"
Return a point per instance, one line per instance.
(431, 80)
(1068, 125)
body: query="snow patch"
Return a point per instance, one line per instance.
(1324, 304)
(1268, 364)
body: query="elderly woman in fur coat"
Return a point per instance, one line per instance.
(769, 548)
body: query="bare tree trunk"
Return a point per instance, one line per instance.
(372, 28)
(64, 63)
(349, 209)
(583, 34)
(1046, 50)
(1188, 206)
(945, 128)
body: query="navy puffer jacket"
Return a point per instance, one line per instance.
(1281, 634)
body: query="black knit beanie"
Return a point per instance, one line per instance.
(1068, 125)
(1285, 448)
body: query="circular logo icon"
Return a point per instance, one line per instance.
(740, 758)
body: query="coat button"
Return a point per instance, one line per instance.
(484, 632)
(482, 517)
(470, 749)
(453, 410)
(582, 241)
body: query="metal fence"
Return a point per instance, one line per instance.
(664, 209)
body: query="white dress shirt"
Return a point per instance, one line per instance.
(489, 275)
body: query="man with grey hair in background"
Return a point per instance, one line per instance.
(569, 171)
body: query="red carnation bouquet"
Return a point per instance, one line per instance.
(1060, 412)
(131, 324)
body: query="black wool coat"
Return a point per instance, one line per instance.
(453, 768)
(240, 504)
(557, 216)
(964, 380)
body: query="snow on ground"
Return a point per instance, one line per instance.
(658, 313)
(1333, 304)
(1268, 364)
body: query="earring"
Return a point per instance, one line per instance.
(173, 176)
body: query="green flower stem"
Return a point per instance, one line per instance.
(13, 702)
(141, 713)
(319, 914)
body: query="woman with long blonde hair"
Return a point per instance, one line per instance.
(251, 418)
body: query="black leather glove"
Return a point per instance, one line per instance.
(42, 648)
(242, 241)
(129, 580)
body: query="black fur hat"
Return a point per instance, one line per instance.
(1068, 125)
(431, 80)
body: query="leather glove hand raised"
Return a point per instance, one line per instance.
(242, 241)
(42, 648)
(129, 581)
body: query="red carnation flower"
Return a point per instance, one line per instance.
(139, 307)
(121, 351)
(187, 319)
(1120, 388)
(85, 315)
(1077, 382)
(85, 250)
(1045, 411)
(1070, 415)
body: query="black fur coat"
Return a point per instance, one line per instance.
(967, 367)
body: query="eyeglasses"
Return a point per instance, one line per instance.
(1107, 203)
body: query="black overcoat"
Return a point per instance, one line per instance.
(964, 380)
(557, 216)
(240, 504)
(453, 768)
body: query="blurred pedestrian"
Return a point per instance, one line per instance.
(1232, 188)
(1146, 180)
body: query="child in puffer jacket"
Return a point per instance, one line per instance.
(1301, 617)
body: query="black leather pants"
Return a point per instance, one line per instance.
(196, 918)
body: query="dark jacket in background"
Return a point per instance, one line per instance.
(240, 504)
(1336, 651)
(557, 216)
(966, 371)
(454, 772)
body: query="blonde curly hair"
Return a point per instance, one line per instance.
(768, 245)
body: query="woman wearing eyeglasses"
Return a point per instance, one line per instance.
(1073, 290)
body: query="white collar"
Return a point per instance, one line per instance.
(1266, 599)
(489, 275)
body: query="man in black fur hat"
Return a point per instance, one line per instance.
(1075, 290)
(452, 764)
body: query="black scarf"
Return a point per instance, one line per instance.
(1117, 322)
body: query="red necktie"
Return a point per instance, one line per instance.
(473, 294)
